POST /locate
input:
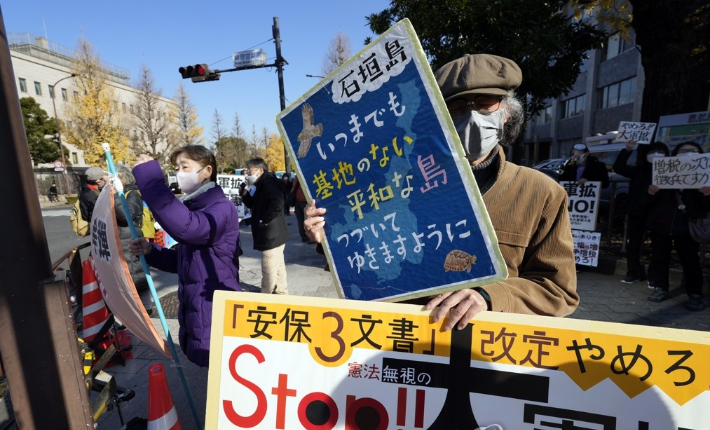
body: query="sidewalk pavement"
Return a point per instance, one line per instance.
(603, 298)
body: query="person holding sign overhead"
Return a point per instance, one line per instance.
(668, 213)
(528, 210)
(583, 167)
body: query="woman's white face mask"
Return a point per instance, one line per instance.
(652, 155)
(479, 134)
(189, 182)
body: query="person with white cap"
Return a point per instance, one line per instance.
(96, 179)
(583, 167)
(528, 209)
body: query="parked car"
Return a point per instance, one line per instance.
(618, 189)
(552, 167)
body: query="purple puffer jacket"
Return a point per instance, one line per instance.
(206, 228)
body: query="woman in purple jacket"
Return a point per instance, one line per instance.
(206, 226)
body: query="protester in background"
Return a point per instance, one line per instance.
(268, 225)
(528, 209)
(299, 209)
(96, 179)
(53, 193)
(636, 224)
(583, 167)
(286, 189)
(205, 225)
(669, 212)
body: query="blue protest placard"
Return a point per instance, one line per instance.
(374, 145)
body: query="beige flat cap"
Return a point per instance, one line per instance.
(478, 74)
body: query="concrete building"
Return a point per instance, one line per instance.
(39, 65)
(609, 90)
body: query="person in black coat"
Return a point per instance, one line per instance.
(584, 167)
(268, 225)
(640, 179)
(96, 179)
(669, 211)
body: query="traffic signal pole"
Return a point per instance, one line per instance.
(202, 73)
(279, 67)
(38, 345)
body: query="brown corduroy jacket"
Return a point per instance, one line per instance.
(529, 214)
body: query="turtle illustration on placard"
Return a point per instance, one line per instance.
(458, 261)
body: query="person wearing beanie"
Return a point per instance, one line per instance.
(583, 167)
(528, 209)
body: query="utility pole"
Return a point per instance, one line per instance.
(279, 67)
(59, 134)
(38, 345)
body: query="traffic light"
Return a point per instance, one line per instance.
(198, 73)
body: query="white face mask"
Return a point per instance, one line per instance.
(652, 155)
(189, 182)
(479, 134)
(251, 179)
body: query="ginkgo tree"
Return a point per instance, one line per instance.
(274, 153)
(189, 130)
(92, 115)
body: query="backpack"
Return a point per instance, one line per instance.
(79, 225)
(148, 225)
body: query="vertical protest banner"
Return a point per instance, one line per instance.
(230, 185)
(586, 247)
(374, 145)
(294, 363)
(642, 132)
(583, 204)
(113, 275)
(687, 171)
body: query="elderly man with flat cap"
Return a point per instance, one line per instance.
(528, 209)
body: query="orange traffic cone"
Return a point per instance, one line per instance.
(161, 410)
(93, 306)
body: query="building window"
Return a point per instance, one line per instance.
(51, 90)
(123, 107)
(616, 45)
(573, 106)
(74, 158)
(617, 94)
(65, 97)
(131, 108)
(544, 116)
(23, 85)
(38, 88)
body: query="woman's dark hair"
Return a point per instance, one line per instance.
(657, 146)
(197, 153)
(689, 142)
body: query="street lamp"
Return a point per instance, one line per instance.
(59, 134)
